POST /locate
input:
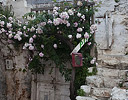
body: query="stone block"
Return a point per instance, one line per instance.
(118, 94)
(95, 81)
(107, 5)
(108, 72)
(87, 89)
(84, 98)
(111, 82)
(101, 92)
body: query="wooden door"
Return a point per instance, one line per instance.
(50, 86)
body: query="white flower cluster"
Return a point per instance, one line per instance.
(93, 61)
(93, 28)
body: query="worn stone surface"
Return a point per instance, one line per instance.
(118, 94)
(95, 81)
(84, 98)
(2, 79)
(108, 72)
(116, 30)
(14, 84)
(101, 92)
(87, 89)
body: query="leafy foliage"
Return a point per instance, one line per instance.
(53, 36)
(81, 92)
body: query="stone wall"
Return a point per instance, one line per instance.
(112, 49)
(14, 84)
(112, 34)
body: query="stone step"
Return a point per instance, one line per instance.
(107, 72)
(101, 92)
(102, 82)
(84, 98)
(86, 88)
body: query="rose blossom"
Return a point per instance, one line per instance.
(55, 46)
(34, 36)
(78, 36)
(10, 35)
(2, 30)
(31, 47)
(69, 36)
(49, 21)
(92, 61)
(96, 64)
(57, 21)
(70, 12)
(83, 17)
(2, 23)
(75, 24)
(43, 23)
(42, 46)
(10, 18)
(41, 54)
(89, 43)
(32, 29)
(26, 45)
(9, 25)
(31, 40)
(78, 14)
(86, 35)
(79, 3)
(24, 27)
(55, 8)
(79, 30)
(64, 15)
(68, 24)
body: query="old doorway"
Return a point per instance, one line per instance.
(50, 86)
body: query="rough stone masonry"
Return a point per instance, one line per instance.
(112, 49)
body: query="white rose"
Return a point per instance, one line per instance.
(79, 3)
(32, 29)
(83, 17)
(55, 8)
(10, 36)
(69, 36)
(70, 12)
(78, 36)
(55, 46)
(31, 47)
(78, 14)
(19, 38)
(92, 61)
(9, 25)
(31, 40)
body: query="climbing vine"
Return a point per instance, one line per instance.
(53, 36)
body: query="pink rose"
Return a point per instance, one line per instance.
(79, 30)
(75, 24)
(89, 43)
(41, 54)
(31, 40)
(31, 47)
(86, 35)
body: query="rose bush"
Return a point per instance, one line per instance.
(53, 36)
